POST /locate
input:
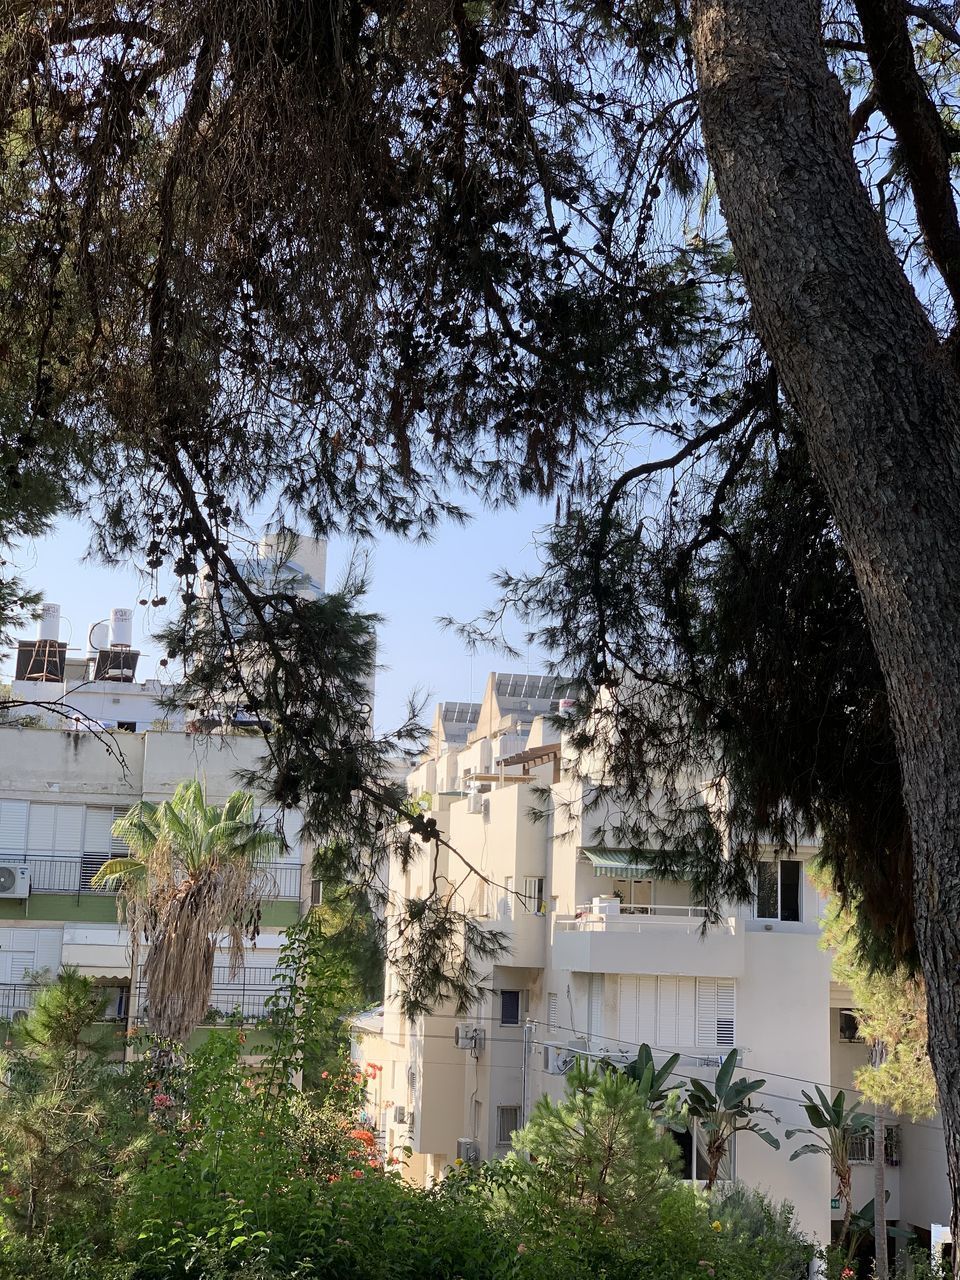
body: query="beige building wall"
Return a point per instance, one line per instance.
(573, 950)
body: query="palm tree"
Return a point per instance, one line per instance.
(194, 873)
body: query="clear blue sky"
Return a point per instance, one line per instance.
(410, 585)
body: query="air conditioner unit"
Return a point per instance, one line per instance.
(557, 1060)
(474, 802)
(467, 1035)
(399, 1115)
(15, 880)
(468, 1151)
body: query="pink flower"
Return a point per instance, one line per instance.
(357, 1173)
(162, 1100)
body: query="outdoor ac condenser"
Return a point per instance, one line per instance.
(14, 880)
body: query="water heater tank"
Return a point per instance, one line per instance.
(121, 628)
(48, 624)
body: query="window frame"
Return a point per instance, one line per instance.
(512, 991)
(513, 1107)
(538, 896)
(778, 864)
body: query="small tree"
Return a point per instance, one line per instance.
(892, 1013)
(597, 1151)
(835, 1125)
(55, 1151)
(725, 1110)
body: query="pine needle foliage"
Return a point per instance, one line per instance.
(598, 1152)
(58, 1133)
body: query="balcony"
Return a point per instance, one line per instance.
(72, 875)
(239, 1001)
(648, 939)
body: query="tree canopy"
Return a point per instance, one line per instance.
(346, 262)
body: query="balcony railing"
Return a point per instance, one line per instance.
(629, 918)
(51, 874)
(18, 998)
(241, 998)
(862, 1147)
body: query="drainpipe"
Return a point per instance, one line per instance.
(528, 1028)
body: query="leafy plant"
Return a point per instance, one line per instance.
(726, 1110)
(835, 1124)
(652, 1081)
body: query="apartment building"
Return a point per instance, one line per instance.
(86, 738)
(604, 956)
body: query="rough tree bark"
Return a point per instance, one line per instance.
(881, 1268)
(880, 400)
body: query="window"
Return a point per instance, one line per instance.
(677, 1011)
(553, 1013)
(694, 1161)
(850, 1027)
(595, 1007)
(508, 1122)
(778, 890)
(533, 899)
(511, 1003)
(506, 902)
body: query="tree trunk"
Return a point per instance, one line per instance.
(880, 402)
(881, 1264)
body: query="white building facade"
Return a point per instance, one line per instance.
(84, 740)
(604, 957)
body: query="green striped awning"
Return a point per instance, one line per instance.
(623, 864)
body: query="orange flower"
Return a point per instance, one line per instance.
(357, 1173)
(364, 1136)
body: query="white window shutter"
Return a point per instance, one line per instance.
(13, 825)
(595, 1006)
(646, 1031)
(40, 832)
(667, 1012)
(726, 1012)
(716, 1012)
(706, 1011)
(96, 835)
(553, 1015)
(49, 947)
(21, 963)
(69, 833)
(627, 1012)
(687, 1011)
(119, 848)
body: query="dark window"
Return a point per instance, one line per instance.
(508, 1121)
(850, 1027)
(768, 898)
(127, 726)
(509, 1008)
(778, 890)
(790, 890)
